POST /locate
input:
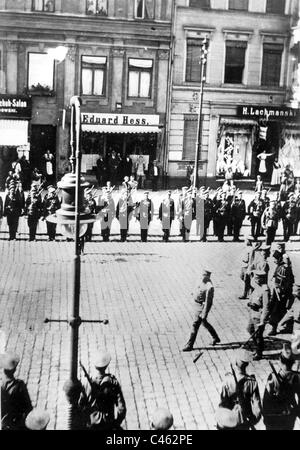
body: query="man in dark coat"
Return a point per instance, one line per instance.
(166, 215)
(12, 212)
(238, 213)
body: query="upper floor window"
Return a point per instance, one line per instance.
(275, 6)
(193, 53)
(235, 61)
(271, 68)
(96, 7)
(43, 5)
(144, 9)
(200, 3)
(93, 75)
(140, 77)
(240, 5)
(40, 72)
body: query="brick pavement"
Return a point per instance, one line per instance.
(143, 289)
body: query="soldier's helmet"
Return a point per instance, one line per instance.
(103, 360)
(162, 419)
(9, 361)
(37, 419)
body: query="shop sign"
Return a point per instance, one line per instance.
(14, 106)
(267, 112)
(119, 119)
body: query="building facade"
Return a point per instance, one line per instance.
(116, 58)
(245, 110)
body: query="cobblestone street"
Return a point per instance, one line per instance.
(143, 289)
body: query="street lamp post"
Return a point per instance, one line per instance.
(203, 61)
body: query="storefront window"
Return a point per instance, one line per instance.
(96, 7)
(144, 9)
(275, 6)
(240, 5)
(235, 62)
(93, 75)
(200, 3)
(140, 78)
(40, 71)
(271, 70)
(289, 152)
(43, 5)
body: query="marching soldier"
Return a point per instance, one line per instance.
(33, 210)
(245, 269)
(293, 313)
(238, 214)
(37, 419)
(240, 406)
(259, 311)
(215, 201)
(106, 206)
(166, 214)
(231, 196)
(51, 204)
(269, 221)
(15, 400)
(104, 398)
(208, 214)
(124, 212)
(91, 208)
(144, 214)
(282, 393)
(203, 301)
(221, 212)
(255, 211)
(12, 211)
(289, 217)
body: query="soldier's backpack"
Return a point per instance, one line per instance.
(103, 397)
(279, 399)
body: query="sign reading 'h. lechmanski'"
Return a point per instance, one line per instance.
(267, 112)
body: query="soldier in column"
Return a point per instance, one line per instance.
(259, 312)
(91, 208)
(292, 316)
(187, 215)
(50, 205)
(269, 221)
(222, 211)
(216, 198)
(107, 214)
(231, 196)
(245, 269)
(289, 217)
(166, 214)
(179, 207)
(203, 300)
(282, 393)
(33, 210)
(15, 399)
(124, 211)
(255, 211)
(238, 214)
(208, 214)
(144, 214)
(12, 211)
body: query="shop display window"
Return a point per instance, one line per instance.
(140, 77)
(96, 7)
(271, 69)
(40, 73)
(289, 152)
(235, 62)
(43, 5)
(93, 75)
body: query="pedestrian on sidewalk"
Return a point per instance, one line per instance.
(203, 301)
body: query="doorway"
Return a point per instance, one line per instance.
(43, 138)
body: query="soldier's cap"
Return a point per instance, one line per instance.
(286, 354)
(162, 419)
(280, 246)
(146, 192)
(9, 361)
(103, 360)
(169, 191)
(206, 272)
(37, 419)
(243, 356)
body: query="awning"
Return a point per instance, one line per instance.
(120, 128)
(13, 132)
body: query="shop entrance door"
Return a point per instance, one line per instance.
(43, 138)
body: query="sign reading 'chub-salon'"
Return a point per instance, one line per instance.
(15, 106)
(268, 112)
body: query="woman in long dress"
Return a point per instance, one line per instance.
(276, 174)
(262, 165)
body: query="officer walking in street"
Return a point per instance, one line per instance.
(282, 393)
(15, 399)
(203, 301)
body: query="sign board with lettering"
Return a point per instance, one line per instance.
(119, 119)
(268, 112)
(15, 106)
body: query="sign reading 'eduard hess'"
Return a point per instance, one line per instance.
(15, 106)
(268, 112)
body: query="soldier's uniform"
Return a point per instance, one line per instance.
(33, 210)
(104, 399)
(166, 214)
(15, 400)
(90, 208)
(281, 396)
(238, 213)
(106, 206)
(289, 218)
(123, 213)
(144, 214)
(259, 311)
(255, 211)
(203, 301)
(205, 208)
(50, 205)
(186, 215)
(269, 221)
(293, 314)
(12, 212)
(222, 210)
(245, 269)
